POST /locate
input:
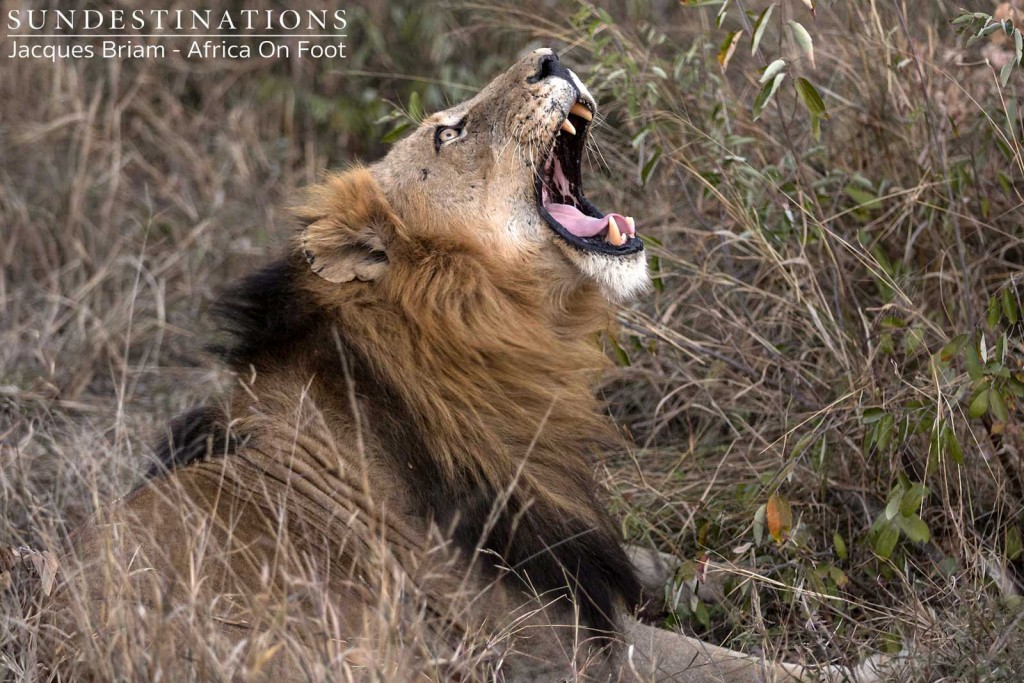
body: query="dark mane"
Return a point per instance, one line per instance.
(263, 316)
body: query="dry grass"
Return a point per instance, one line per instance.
(791, 314)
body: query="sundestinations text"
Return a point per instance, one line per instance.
(79, 20)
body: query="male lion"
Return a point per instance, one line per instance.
(400, 486)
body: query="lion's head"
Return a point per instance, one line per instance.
(505, 169)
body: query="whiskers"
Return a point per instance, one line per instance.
(592, 148)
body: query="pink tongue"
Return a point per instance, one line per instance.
(571, 218)
(580, 224)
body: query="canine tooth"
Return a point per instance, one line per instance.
(632, 225)
(614, 236)
(568, 127)
(581, 112)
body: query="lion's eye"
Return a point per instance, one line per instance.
(445, 134)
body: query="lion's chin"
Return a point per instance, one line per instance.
(620, 278)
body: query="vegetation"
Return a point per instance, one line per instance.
(824, 388)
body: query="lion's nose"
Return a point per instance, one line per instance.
(547, 66)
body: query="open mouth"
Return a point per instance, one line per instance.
(560, 199)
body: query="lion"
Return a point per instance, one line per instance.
(400, 485)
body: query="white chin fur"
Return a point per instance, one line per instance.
(621, 278)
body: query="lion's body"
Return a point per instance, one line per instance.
(401, 482)
(364, 427)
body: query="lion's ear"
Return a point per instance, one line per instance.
(350, 228)
(344, 255)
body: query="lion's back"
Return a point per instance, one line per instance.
(217, 579)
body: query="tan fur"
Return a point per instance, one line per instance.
(423, 340)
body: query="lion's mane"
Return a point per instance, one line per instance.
(473, 381)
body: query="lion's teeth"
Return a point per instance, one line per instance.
(614, 237)
(632, 225)
(568, 127)
(581, 112)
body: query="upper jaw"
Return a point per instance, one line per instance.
(561, 202)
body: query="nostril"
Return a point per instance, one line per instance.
(545, 68)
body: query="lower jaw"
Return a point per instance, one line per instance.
(596, 246)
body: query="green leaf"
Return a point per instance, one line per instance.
(998, 405)
(621, 357)
(995, 311)
(914, 339)
(645, 172)
(964, 18)
(872, 415)
(415, 108)
(1004, 73)
(892, 505)
(838, 576)
(989, 29)
(885, 432)
(721, 13)
(639, 137)
(760, 522)
(1013, 543)
(952, 445)
(759, 26)
(872, 439)
(950, 350)
(970, 18)
(840, 545)
(766, 95)
(801, 444)
(816, 128)
(1010, 308)
(655, 266)
(811, 99)
(700, 611)
(396, 133)
(728, 47)
(803, 40)
(914, 528)
(772, 70)
(934, 451)
(979, 403)
(885, 541)
(912, 500)
(973, 361)
(947, 567)
(864, 199)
